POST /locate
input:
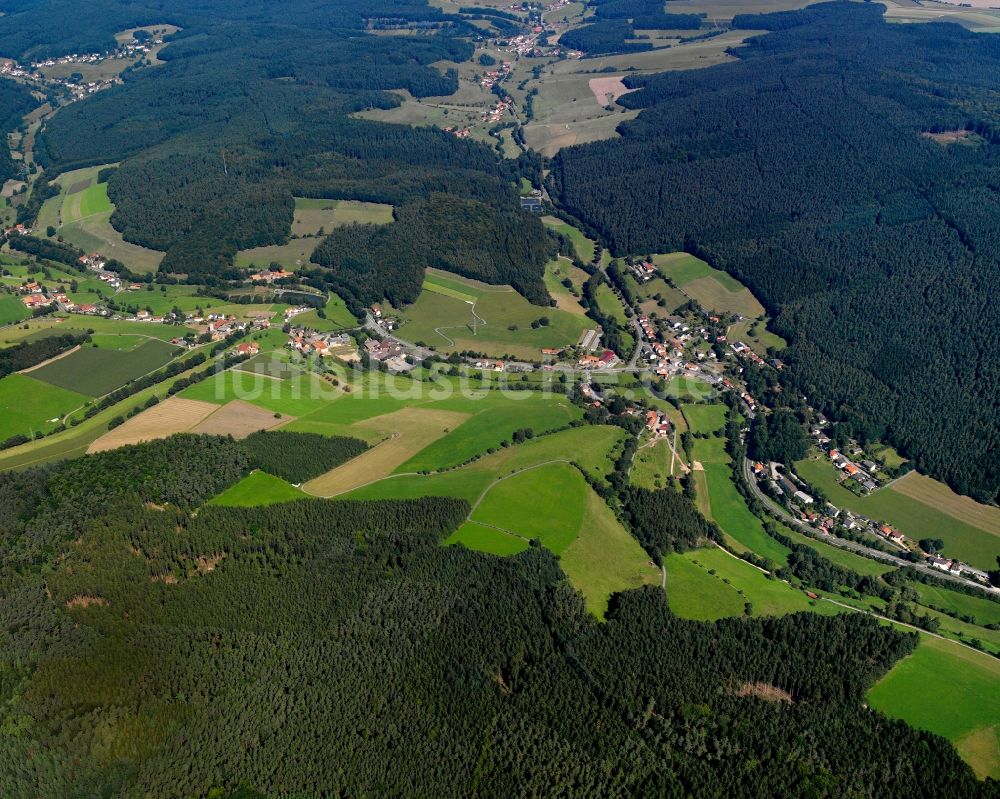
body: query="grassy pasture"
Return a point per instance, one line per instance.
(28, 405)
(95, 371)
(291, 397)
(12, 310)
(546, 502)
(441, 319)
(693, 593)
(557, 271)
(610, 305)
(982, 610)
(291, 255)
(950, 690)
(652, 466)
(312, 215)
(583, 246)
(842, 557)
(487, 539)
(769, 597)
(81, 213)
(756, 335)
(711, 288)
(730, 512)
(258, 488)
(605, 558)
(337, 316)
(592, 447)
(705, 418)
(935, 515)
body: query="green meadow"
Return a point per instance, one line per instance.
(952, 691)
(704, 418)
(30, 406)
(695, 597)
(12, 310)
(546, 503)
(487, 539)
(95, 371)
(258, 488)
(583, 246)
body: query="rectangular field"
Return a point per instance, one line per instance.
(96, 372)
(29, 406)
(173, 415)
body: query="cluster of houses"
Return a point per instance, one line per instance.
(863, 473)
(744, 351)
(322, 345)
(79, 90)
(957, 568)
(495, 76)
(388, 351)
(503, 106)
(17, 230)
(657, 424)
(605, 360)
(643, 272)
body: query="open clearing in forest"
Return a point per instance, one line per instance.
(239, 419)
(312, 215)
(566, 299)
(499, 324)
(409, 431)
(258, 488)
(694, 597)
(173, 415)
(922, 509)
(711, 288)
(95, 371)
(608, 89)
(583, 246)
(951, 690)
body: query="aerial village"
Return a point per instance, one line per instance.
(78, 89)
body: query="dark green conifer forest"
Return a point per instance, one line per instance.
(802, 169)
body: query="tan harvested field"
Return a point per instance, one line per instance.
(239, 419)
(410, 430)
(607, 90)
(938, 495)
(173, 415)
